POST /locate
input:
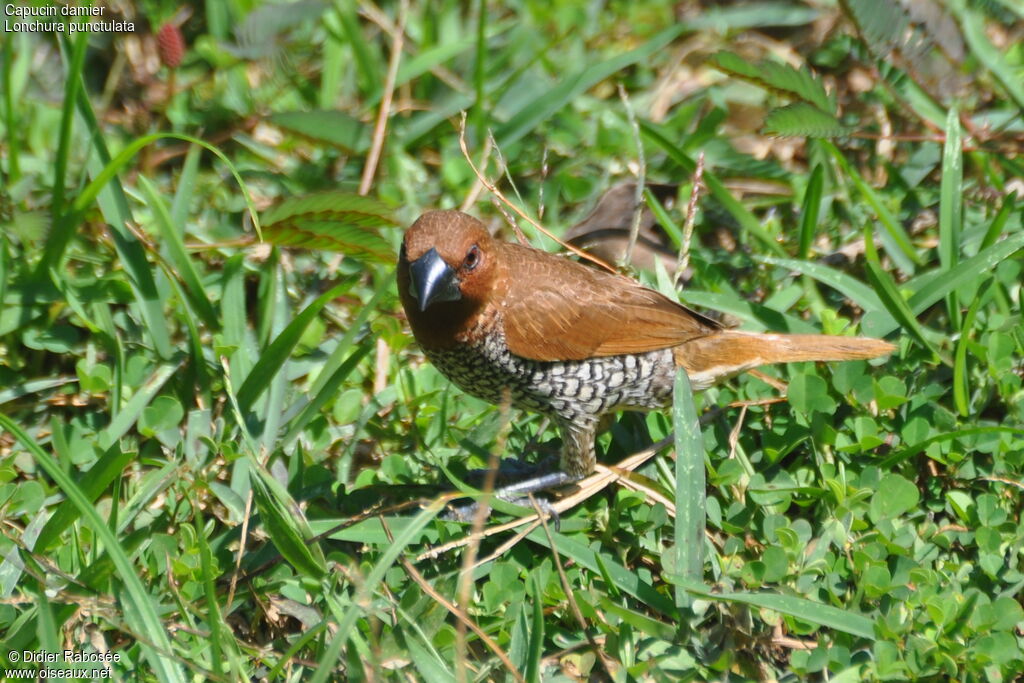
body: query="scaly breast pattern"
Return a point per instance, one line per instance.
(576, 391)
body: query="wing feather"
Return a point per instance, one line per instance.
(556, 309)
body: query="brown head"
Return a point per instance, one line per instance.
(447, 271)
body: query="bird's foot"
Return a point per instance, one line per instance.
(519, 493)
(468, 512)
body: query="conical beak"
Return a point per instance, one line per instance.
(432, 280)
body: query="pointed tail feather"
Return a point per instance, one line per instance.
(718, 356)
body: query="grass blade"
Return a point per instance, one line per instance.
(10, 113)
(897, 242)
(326, 393)
(972, 24)
(995, 228)
(810, 211)
(690, 485)
(33, 386)
(950, 206)
(951, 193)
(286, 526)
(896, 458)
(849, 286)
(368, 64)
(92, 483)
(183, 266)
(339, 354)
(535, 647)
(891, 297)
(63, 227)
(961, 390)
(186, 185)
(931, 287)
(801, 608)
(478, 114)
(219, 635)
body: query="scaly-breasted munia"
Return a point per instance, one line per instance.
(566, 340)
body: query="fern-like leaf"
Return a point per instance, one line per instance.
(801, 119)
(776, 77)
(883, 25)
(906, 34)
(333, 221)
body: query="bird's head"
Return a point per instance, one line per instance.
(446, 257)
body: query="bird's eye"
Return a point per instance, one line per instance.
(472, 258)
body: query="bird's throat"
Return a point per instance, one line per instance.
(451, 323)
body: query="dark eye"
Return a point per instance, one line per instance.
(472, 258)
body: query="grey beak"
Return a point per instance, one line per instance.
(432, 280)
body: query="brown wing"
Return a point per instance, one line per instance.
(556, 309)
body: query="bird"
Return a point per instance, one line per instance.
(511, 323)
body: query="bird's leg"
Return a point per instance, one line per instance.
(578, 455)
(577, 461)
(518, 493)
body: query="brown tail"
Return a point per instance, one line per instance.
(727, 353)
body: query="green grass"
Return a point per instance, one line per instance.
(221, 459)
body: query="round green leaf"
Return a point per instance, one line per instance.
(894, 496)
(776, 564)
(163, 413)
(809, 393)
